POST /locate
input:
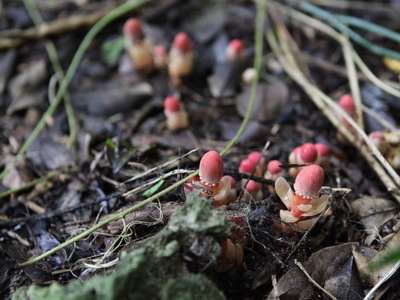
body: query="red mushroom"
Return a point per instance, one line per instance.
(138, 47)
(273, 170)
(253, 191)
(323, 155)
(235, 50)
(211, 177)
(249, 166)
(308, 154)
(181, 59)
(257, 157)
(305, 200)
(211, 168)
(160, 57)
(346, 102)
(175, 113)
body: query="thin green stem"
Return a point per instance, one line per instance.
(259, 33)
(55, 61)
(368, 26)
(29, 184)
(335, 22)
(117, 12)
(105, 222)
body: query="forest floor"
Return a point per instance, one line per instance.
(92, 174)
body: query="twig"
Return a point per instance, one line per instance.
(154, 181)
(275, 291)
(375, 80)
(29, 184)
(57, 212)
(149, 171)
(353, 81)
(313, 281)
(15, 38)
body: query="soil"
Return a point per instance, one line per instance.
(74, 177)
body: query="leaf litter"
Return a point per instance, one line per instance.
(174, 252)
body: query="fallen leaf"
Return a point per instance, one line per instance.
(28, 89)
(372, 270)
(345, 283)
(321, 266)
(373, 213)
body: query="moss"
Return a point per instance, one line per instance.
(182, 288)
(157, 268)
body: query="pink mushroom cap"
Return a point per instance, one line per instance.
(309, 181)
(232, 180)
(253, 186)
(346, 102)
(254, 156)
(322, 149)
(133, 27)
(274, 167)
(247, 165)
(236, 45)
(211, 168)
(160, 50)
(376, 135)
(308, 153)
(183, 42)
(172, 104)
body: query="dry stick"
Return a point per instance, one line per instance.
(392, 182)
(29, 184)
(385, 123)
(320, 99)
(14, 38)
(257, 62)
(158, 167)
(375, 80)
(328, 30)
(313, 281)
(353, 81)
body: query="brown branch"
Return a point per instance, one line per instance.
(15, 37)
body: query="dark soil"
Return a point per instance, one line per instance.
(121, 132)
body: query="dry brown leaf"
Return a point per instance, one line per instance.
(365, 259)
(321, 266)
(373, 213)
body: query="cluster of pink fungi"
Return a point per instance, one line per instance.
(303, 204)
(145, 57)
(387, 142)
